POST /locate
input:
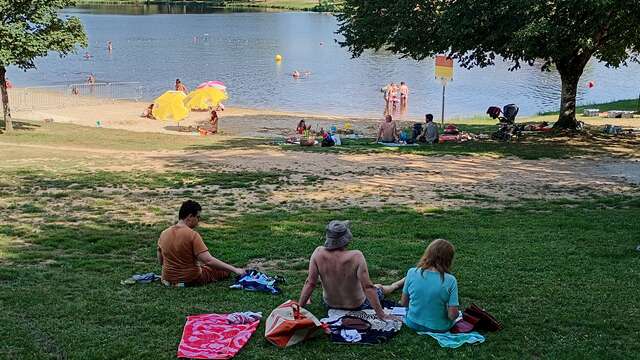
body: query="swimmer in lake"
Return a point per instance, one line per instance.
(109, 46)
(296, 74)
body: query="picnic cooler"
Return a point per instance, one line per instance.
(290, 324)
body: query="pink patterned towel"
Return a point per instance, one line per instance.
(210, 336)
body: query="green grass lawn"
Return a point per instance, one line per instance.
(67, 135)
(562, 276)
(534, 146)
(625, 105)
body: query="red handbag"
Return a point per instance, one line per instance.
(466, 325)
(486, 321)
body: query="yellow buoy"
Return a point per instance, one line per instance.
(278, 57)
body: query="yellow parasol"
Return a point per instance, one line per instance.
(204, 98)
(170, 106)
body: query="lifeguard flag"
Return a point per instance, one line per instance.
(444, 68)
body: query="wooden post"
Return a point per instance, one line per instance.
(443, 92)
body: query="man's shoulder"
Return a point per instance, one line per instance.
(179, 231)
(356, 254)
(321, 250)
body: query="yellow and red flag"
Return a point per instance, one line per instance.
(444, 68)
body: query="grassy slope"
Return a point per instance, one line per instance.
(535, 146)
(561, 275)
(558, 291)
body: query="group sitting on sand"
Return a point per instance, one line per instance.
(388, 132)
(208, 129)
(429, 290)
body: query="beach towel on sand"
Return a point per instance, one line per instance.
(449, 340)
(211, 336)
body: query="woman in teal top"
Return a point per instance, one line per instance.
(430, 291)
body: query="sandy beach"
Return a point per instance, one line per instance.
(236, 122)
(125, 115)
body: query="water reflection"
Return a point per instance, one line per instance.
(239, 49)
(155, 9)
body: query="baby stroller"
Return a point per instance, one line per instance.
(507, 128)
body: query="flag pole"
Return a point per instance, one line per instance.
(444, 85)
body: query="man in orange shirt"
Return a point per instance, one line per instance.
(184, 257)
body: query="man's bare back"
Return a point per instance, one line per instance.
(342, 273)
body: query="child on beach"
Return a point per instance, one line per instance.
(148, 112)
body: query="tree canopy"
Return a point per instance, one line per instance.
(30, 29)
(560, 34)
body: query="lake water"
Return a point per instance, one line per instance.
(156, 45)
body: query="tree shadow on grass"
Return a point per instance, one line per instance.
(532, 147)
(31, 181)
(19, 126)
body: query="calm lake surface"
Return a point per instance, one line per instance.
(156, 45)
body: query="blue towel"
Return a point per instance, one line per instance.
(395, 144)
(141, 279)
(255, 280)
(449, 340)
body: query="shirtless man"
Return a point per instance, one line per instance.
(387, 131)
(343, 273)
(404, 93)
(387, 94)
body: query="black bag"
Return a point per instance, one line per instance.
(494, 112)
(327, 142)
(417, 130)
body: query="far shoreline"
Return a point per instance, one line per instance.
(267, 5)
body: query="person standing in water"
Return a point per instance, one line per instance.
(109, 46)
(388, 98)
(404, 93)
(181, 87)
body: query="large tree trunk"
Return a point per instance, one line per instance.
(570, 73)
(8, 125)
